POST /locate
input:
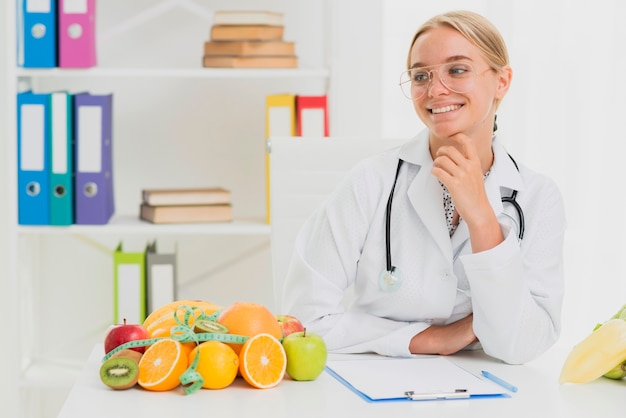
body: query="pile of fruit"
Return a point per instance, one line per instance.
(601, 353)
(198, 344)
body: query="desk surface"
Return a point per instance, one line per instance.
(539, 395)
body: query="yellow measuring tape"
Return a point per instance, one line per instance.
(184, 333)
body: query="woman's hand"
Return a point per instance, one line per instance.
(458, 166)
(444, 339)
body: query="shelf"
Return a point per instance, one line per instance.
(132, 225)
(176, 72)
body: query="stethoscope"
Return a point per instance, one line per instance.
(391, 278)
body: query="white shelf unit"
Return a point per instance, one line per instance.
(225, 73)
(175, 124)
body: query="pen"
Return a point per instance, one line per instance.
(499, 381)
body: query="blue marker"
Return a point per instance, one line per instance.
(499, 381)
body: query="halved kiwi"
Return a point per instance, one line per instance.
(119, 372)
(127, 352)
(206, 325)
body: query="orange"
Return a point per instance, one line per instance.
(218, 364)
(249, 319)
(166, 332)
(163, 317)
(262, 361)
(162, 365)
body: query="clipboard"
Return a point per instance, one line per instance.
(411, 379)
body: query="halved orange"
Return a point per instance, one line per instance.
(167, 333)
(262, 361)
(162, 365)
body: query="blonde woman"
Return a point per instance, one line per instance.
(449, 243)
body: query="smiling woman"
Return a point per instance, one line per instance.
(467, 268)
(568, 130)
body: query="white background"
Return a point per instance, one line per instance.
(563, 116)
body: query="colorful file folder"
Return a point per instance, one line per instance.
(33, 150)
(129, 286)
(61, 161)
(37, 33)
(93, 154)
(312, 116)
(77, 33)
(160, 277)
(280, 120)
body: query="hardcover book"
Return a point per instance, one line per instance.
(246, 32)
(240, 61)
(186, 213)
(247, 17)
(186, 196)
(249, 48)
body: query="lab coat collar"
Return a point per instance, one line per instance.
(417, 151)
(425, 189)
(503, 178)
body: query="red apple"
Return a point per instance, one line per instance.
(119, 334)
(289, 324)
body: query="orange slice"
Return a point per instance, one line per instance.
(166, 333)
(162, 365)
(262, 361)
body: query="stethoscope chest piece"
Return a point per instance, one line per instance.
(390, 281)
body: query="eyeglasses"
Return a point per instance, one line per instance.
(458, 77)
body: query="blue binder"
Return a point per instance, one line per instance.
(33, 151)
(61, 160)
(37, 33)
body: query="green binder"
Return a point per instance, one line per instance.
(129, 286)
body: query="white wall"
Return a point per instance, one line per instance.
(563, 116)
(8, 305)
(563, 113)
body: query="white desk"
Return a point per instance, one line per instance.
(539, 395)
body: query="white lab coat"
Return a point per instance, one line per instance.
(515, 290)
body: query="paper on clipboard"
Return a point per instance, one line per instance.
(388, 379)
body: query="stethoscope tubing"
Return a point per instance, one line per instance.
(506, 199)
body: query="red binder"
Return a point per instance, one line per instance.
(312, 116)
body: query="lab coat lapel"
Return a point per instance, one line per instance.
(426, 195)
(503, 175)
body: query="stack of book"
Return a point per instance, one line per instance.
(161, 206)
(248, 39)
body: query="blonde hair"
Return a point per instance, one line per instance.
(476, 29)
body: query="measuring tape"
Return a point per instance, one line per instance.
(184, 333)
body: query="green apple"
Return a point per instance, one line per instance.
(306, 355)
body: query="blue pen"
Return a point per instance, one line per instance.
(499, 381)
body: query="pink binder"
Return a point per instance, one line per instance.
(77, 33)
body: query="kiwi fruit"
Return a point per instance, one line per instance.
(119, 372)
(206, 325)
(127, 352)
